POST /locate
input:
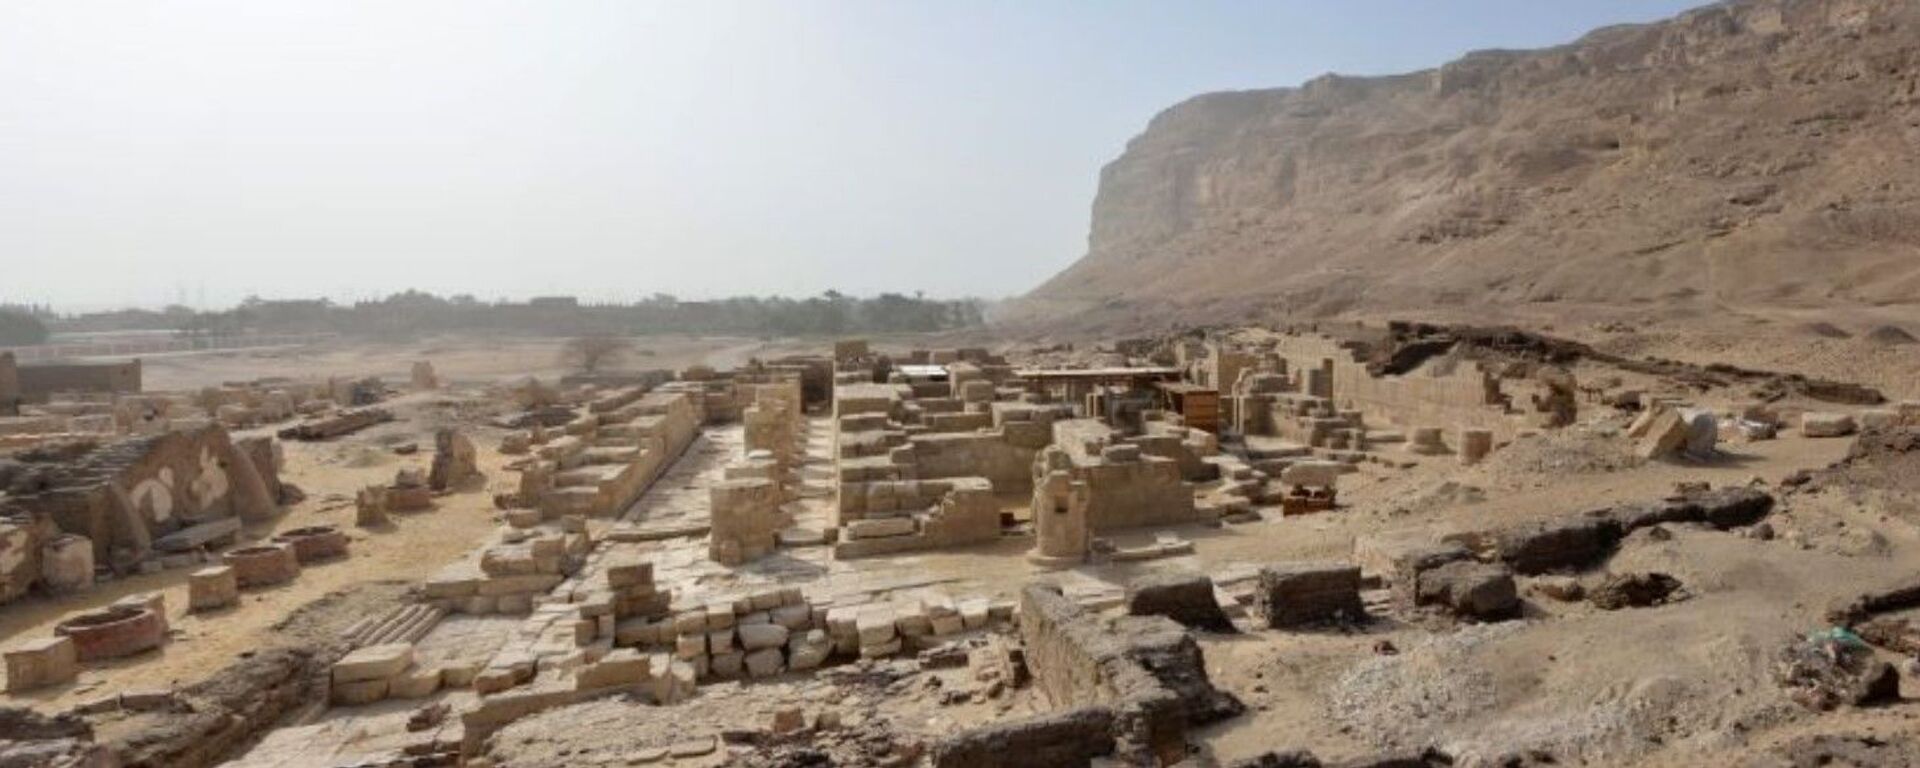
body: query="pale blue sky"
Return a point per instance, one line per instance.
(154, 150)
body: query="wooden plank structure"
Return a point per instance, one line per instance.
(1198, 406)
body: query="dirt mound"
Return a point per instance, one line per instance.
(1744, 154)
(1891, 335)
(1826, 330)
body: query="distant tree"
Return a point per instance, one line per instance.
(592, 353)
(19, 329)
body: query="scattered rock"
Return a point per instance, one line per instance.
(1634, 590)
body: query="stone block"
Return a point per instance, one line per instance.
(620, 667)
(629, 571)
(1317, 474)
(809, 649)
(688, 647)
(755, 637)
(358, 693)
(373, 662)
(877, 528)
(728, 665)
(41, 662)
(1470, 590)
(765, 662)
(792, 616)
(66, 564)
(416, 683)
(211, 588)
(1185, 598)
(1302, 593)
(1822, 424)
(875, 625)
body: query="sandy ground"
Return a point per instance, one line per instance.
(413, 548)
(456, 359)
(1672, 685)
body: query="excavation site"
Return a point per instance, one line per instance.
(1556, 404)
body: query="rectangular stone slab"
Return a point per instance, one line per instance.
(196, 536)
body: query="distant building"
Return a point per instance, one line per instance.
(37, 382)
(9, 386)
(554, 302)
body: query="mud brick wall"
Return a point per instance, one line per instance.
(1070, 737)
(1078, 660)
(1296, 594)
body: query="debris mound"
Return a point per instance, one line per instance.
(1834, 667)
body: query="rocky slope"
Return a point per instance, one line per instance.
(1757, 154)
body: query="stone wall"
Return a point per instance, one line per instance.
(1078, 659)
(1005, 464)
(1121, 486)
(1463, 397)
(746, 519)
(608, 459)
(898, 516)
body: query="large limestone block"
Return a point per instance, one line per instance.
(42, 662)
(755, 637)
(1823, 424)
(809, 649)
(417, 683)
(211, 588)
(374, 662)
(1666, 434)
(66, 564)
(1318, 474)
(875, 625)
(878, 528)
(765, 662)
(622, 666)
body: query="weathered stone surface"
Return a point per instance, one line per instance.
(765, 662)
(1185, 598)
(1632, 590)
(1147, 669)
(809, 649)
(1070, 737)
(41, 662)
(374, 662)
(455, 462)
(211, 588)
(1567, 542)
(754, 637)
(1471, 590)
(1821, 424)
(875, 528)
(1303, 593)
(622, 666)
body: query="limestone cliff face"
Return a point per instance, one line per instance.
(1757, 153)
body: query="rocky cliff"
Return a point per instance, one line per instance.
(1757, 153)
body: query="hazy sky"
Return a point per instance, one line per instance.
(152, 151)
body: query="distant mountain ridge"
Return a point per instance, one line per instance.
(1762, 152)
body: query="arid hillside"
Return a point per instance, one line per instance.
(1752, 157)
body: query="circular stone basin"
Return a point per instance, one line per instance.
(315, 542)
(263, 566)
(114, 632)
